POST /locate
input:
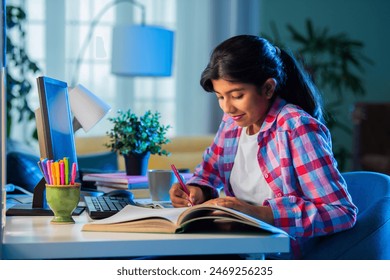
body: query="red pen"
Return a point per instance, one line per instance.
(183, 186)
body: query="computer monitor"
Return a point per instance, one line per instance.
(55, 136)
(54, 121)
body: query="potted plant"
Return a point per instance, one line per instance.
(136, 138)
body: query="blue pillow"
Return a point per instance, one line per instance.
(23, 170)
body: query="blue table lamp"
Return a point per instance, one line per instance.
(141, 50)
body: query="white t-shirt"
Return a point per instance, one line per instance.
(246, 178)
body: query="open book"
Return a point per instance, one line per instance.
(177, 220)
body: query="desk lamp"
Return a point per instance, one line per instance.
(87, 108)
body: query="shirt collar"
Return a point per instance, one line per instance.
(273, 112)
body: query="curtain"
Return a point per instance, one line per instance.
(201, 25)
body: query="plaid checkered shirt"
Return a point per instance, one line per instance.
(296, 159)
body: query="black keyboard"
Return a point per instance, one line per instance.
(99, 207)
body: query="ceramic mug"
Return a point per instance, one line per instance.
(160, 182)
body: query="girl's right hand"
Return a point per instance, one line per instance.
(180, 199)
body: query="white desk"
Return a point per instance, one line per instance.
(36, 238)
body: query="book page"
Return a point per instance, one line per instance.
(147, 225)
(131, 213)
(222, 213)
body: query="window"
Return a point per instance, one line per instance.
(139, 94)
(35, 48)
(56, 32)
(90, 68)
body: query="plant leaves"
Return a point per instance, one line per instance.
(137, 134)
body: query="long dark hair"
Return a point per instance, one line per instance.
(253, 60)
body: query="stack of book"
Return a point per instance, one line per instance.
(107, 182)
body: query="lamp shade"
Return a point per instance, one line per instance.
(87, 108)
(140, 50)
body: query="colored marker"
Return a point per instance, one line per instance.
(66, 163)
(73, 176)
(56, 173)
(49, 172)
(44, 169)
(62, 173)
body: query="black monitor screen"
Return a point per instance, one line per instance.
(56, 137)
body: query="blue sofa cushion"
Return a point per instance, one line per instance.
(23, 170)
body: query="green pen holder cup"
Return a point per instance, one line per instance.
(63, 200)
